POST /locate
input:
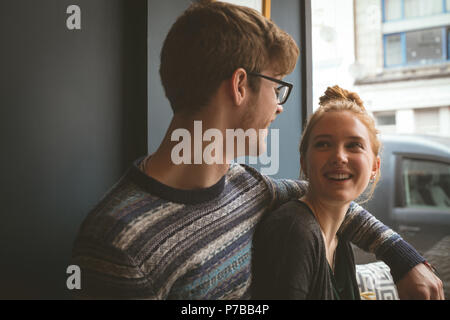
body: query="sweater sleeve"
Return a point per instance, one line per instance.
(108, 273)
(284, 190)
(360, 227)
(369, 234)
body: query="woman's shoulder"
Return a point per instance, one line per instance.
(294, 217)
(294, 211)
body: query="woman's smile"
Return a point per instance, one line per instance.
(340, 158)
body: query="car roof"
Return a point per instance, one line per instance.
(427, 144)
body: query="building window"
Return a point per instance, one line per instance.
(424, 46)
(393, 50)
(417, 47)
(406, 9)
(448, 41)
(420, 8)
(393, 10)
(385, 119)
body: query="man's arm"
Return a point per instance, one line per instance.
(359, 227)
(108, 273)
(414, 280)
(369, 234)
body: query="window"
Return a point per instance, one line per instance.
(386, 122)
(419, 47)
(385, 119)
(420, 8)
(419, 42)
(448, 41)
(393, 10)
(424, 46)
(426, 183)
(393, 50)
(406, 9)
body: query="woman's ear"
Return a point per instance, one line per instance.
(376, 166)
(238, 86)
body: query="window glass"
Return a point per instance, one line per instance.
(427, 183)
(385, 119)
(421, 8)
(448, 40)
(424, 46)
(393, 50)
(393, 9)
(447, 4)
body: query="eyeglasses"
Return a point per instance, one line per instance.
(283, 91)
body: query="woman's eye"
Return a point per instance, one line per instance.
(355, 145)
(322, 144)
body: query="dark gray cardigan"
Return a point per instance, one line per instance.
(289, 256)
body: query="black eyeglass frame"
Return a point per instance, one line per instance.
(284, 83)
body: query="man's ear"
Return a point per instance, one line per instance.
(239, 86)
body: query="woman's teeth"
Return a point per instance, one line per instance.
(338, 176)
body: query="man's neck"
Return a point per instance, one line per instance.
(187, 176)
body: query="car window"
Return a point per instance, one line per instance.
(426, 183)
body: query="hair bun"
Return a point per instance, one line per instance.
(337, 93)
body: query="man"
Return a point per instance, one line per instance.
(172, 229)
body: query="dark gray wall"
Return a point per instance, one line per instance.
(72, 117)
(161, 16)
(286, 14)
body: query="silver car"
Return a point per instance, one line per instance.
(413, 197)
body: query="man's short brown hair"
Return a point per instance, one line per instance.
(212, 39)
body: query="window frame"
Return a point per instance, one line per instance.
(444, 9)
(403, 48)
(445, 36)
(380, 114)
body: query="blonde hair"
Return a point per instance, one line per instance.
(336, 99)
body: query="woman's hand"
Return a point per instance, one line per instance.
(420, 283)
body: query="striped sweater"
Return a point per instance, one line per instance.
(145, 240)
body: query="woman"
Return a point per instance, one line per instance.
(302, 254)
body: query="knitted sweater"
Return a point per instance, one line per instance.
(145, 240)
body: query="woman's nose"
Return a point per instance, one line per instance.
(339, 156)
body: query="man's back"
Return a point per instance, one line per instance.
(147, 240)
